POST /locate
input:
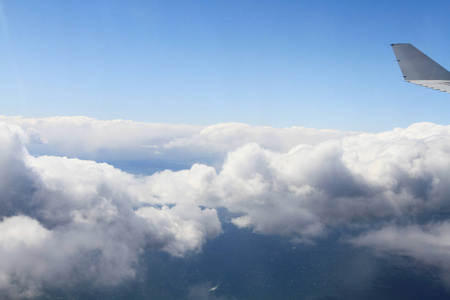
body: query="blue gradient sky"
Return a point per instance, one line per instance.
(323, 64)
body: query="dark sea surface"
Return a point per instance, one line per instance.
(245, 265)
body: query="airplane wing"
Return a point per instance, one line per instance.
(419, 69)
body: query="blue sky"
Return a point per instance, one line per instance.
(322, 64)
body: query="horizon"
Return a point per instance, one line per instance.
(324, 65)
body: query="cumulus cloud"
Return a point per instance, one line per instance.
(83, 220)
(307, 190)
(357, 179)
(69, 221)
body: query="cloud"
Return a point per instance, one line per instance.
(356, 180)
(311, 188)
(92, 221)
(222, 138)
(21, 242)
(67, 221)
(95, 139)
(120, 140)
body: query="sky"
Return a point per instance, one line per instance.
(321, 64)
(221, 150)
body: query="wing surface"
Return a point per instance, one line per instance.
(419, 69)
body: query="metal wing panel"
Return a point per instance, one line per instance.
(415, 65)
(443, 86)
(419, 69)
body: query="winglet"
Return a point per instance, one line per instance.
(415, 65)
(419, 69)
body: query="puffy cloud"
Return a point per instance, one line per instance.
(352, 182)
(187, 226)
(311, 188)
(67, 221)
(23, 261)
(358, 179)
(92, 220)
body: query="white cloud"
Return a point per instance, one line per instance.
(96, 219)
(188, 226)
(68, 220)
(355, 180)
(22, 240)
(89, 138)
(225, 137)
(96, 139)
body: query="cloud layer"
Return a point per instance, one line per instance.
(69, 220)
(66, 221)
(120, 140)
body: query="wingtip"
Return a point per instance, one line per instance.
(397, 44)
